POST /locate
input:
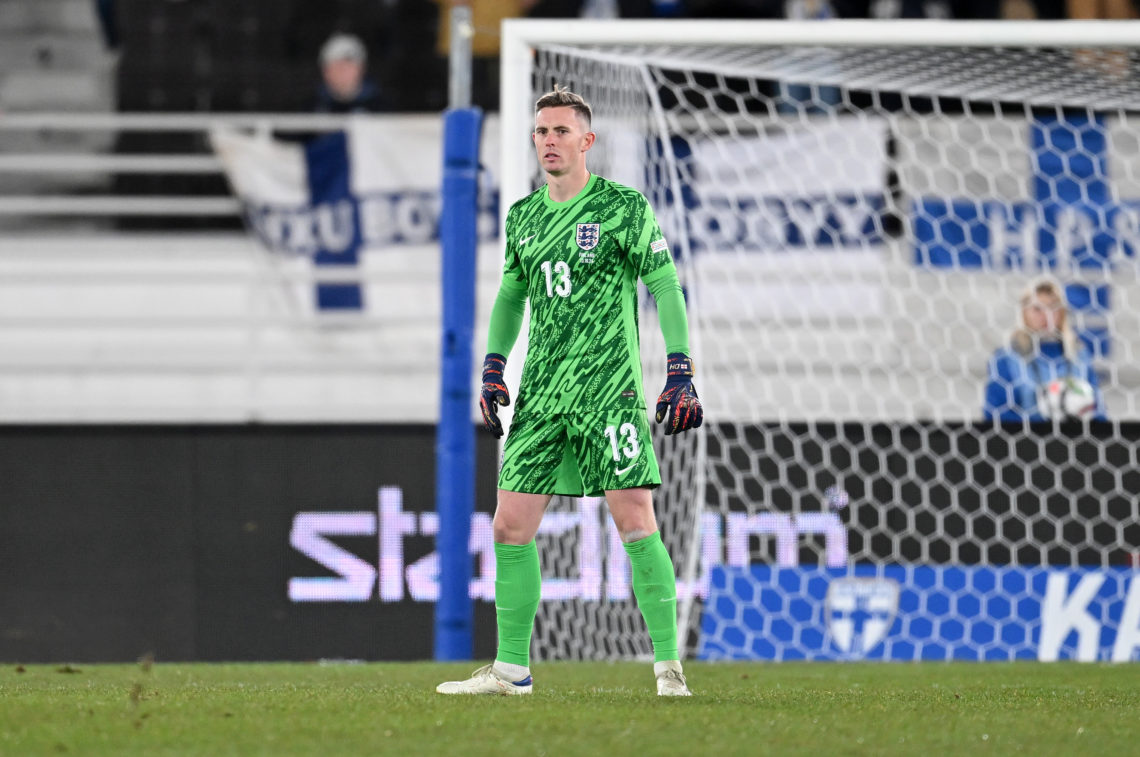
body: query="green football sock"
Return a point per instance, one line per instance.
(655, 587)
(518, 587)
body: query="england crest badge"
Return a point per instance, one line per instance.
(588, 235)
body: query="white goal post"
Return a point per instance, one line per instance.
(866, 215)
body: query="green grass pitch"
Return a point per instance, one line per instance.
(593, 709)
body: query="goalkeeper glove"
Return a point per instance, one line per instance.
(494, 393)
(678, 405)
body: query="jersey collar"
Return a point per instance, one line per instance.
(585, 190)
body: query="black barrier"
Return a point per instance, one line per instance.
(116, 541)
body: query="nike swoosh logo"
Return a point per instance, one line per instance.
(622, 471)
(669, 599)
(524, 240)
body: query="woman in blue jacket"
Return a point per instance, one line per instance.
(1042, 348)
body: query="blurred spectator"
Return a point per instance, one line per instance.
(1023, 10)
(735, 8)
(1089, 9)
(1111, 63)
(345, 86)
(603, 8)
(808, 10)
(1042, 348)
(305, 28)
(929, 9)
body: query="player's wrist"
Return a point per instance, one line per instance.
(678, 365)
(493, 365)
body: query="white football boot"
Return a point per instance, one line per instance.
(486, 680)
(670, 679)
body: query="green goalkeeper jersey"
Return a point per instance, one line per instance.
(578, 262)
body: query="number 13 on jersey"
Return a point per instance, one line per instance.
(557, 278)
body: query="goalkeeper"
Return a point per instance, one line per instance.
(576, 248)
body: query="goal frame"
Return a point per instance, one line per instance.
(521, 39)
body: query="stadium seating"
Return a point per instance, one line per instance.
(52, 58)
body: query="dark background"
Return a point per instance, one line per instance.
(117, 541)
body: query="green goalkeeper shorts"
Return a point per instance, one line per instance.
(579, 454)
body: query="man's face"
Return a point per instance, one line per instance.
(561, 140)
(343, 77)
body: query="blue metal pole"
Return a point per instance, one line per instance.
(455, 443)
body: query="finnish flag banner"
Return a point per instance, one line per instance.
(374, 184)
(1052, 192)
(818, 186)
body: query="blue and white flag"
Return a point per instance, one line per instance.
(374, 184)
(1053, 192)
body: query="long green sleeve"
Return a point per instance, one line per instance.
(666, 289)
(506, 319)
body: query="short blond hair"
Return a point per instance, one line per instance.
(560, 97)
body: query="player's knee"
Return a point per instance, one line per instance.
(504, 531)
(635, 534)
(632, 526)
(632, 511)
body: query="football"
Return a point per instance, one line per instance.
(1068, 398)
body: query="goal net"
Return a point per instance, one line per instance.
(865, 234)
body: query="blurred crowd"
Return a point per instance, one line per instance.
(391, 55)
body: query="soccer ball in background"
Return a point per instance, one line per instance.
(1067, 398)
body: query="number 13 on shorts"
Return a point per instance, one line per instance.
(628, 446)
(630, 460)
